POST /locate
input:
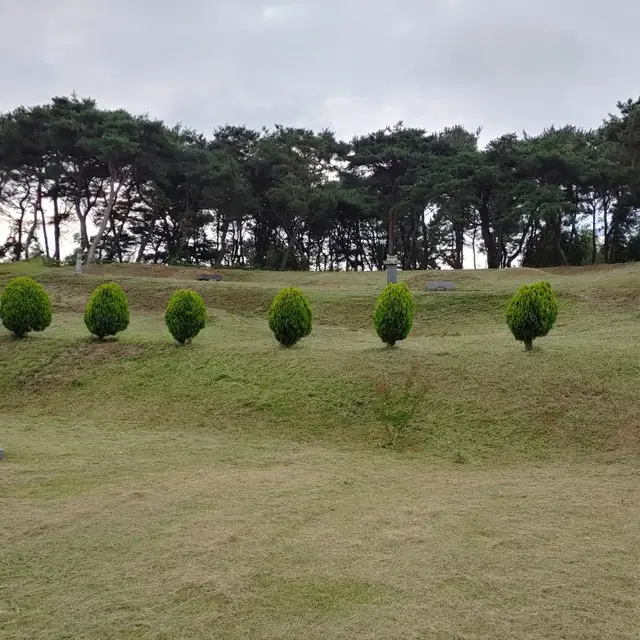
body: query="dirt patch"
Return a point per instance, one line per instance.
(75, 362)
(587, 268)
(627, 438)
(148, 271)
(467, 278)
(621, 298)
(95, 351)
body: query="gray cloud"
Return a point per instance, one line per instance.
(350, 65)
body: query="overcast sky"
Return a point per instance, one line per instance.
(350, 65)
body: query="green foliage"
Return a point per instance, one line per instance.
(290, 316)
(107, 311)
(525, 198)
(186, 315)
(25, 307)
(393, 316)
(532, 312)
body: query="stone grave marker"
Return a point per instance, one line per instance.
(440, 286)
(214, 277)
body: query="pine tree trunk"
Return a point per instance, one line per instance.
(82, 219)
(473, 247)
(459, 246)
(44, 221)
(31, 234)
(606, 235)
(222, 243)
(493, 251)
(113, 194)
(56, 229)
(146, 237)
(290, 244)
(20, 228)
(595, 245)
(425, 244)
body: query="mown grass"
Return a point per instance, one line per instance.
(235, 489)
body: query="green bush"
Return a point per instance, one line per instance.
(532, 312)
(393, 317)
(25, 307)
(290, 316)
(186, 315)
(107, 311)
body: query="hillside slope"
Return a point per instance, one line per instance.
(481, 394)
(235, 489)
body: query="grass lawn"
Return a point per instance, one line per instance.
(234, 489)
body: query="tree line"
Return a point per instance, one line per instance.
(134, 189)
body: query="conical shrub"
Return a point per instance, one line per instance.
(186, 315)
(25, 306)
(393, 316)
(107, 312)
(532, 312)
(290, 316)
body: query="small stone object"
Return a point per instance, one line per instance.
(79, 262)
(391, 263)
(440, 286)
(1, 454)
(216, 277)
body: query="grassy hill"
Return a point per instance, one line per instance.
(234, 489)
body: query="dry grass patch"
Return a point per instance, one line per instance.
(234, 489)
(301, 542)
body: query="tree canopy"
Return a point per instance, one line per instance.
(131, 188)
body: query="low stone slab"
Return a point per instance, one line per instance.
(1, 454)
(215, 277)
(440, 286)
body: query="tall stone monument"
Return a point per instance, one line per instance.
(391, 263)
(79, 262)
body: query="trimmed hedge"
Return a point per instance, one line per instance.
(290, 316)
(393, 316)
(186, 315)
(107, 311)
(25, 306)
(532, 312)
